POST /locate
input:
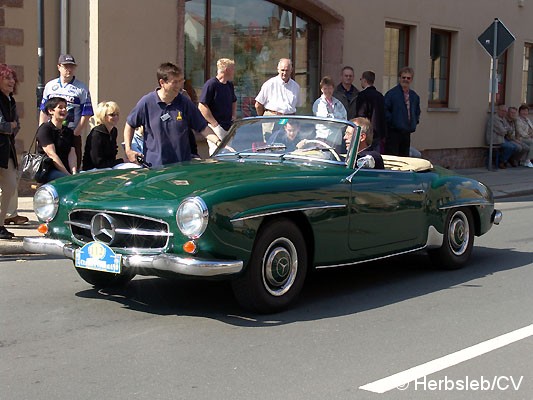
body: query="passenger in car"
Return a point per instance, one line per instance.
(365, 141)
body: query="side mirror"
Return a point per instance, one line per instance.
(363, 162)
(366, 162)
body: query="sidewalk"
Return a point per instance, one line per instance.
(503, 182)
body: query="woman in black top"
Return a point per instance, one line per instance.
(9, 126)
(101, 145)
(56, 140)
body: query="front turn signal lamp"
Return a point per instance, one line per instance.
(43, 228)
(190, 247)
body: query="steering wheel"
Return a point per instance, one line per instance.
(324, 145)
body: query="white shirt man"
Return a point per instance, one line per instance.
(279, 95)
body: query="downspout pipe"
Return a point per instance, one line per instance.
(40, 53)
(64, 27)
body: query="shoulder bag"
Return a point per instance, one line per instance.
(35, 166)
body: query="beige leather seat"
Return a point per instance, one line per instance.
(396, 163)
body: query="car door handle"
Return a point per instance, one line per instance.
(419, 191)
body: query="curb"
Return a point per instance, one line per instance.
(10, 247)
(518, 193)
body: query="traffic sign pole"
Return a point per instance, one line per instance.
(494, 83)
(495, 44)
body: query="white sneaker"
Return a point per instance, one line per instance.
(528, 164)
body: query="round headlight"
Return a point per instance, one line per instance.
(45, 203)
(192, 217)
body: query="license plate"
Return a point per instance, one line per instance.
(98, 257)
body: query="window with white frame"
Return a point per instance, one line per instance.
(439, 79)
(396, 53)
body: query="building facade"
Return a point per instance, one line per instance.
(118, 45)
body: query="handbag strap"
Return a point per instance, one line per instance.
(34, 141)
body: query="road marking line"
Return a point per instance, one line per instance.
(401, 378)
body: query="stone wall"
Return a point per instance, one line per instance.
(457, 158)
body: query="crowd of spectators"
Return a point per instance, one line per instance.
(167, 119)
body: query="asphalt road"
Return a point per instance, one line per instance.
(353, 333)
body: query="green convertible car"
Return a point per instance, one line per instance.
(280, 196)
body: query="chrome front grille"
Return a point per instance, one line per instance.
(119, 230)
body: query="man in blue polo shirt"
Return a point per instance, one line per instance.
(166, 115)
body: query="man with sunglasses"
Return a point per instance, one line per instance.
(76, 93)
(402, 112)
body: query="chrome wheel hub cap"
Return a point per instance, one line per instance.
(280, 265)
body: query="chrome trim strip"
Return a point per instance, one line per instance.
(118, 213)
(281, 157)
(143, 232)
(434, 239)
(139, 263)
(287, 210)
(133, 231)
(464, 205)
(78, 224)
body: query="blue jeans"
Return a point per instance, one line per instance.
(508, 149)
(54, 174)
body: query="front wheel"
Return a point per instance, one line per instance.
(105, 279)
(458, 240)
(276, 271)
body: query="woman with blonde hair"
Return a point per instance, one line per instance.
(101, 145)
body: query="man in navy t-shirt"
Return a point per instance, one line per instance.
(218, 103)
(166, 115)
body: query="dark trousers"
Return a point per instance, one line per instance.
(397, 143)
(77, 148)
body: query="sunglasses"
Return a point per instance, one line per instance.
(407, 78)
(113, 115)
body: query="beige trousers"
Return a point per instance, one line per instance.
(8, 184)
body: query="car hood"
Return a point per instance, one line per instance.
(179, 180)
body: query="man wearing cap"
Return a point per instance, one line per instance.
(76, 94)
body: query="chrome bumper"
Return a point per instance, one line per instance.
(497, 216)
(158, 262)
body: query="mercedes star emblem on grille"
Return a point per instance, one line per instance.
(103, 228)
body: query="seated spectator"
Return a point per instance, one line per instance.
(365, 141)
(522, 148)
(101, 145)
(56, 140)
(524, 132)
(501, 135)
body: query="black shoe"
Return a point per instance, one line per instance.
(5, 234)
(16, 220)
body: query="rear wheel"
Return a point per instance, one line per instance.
(458, 240)
(276, 272)
(105, 279)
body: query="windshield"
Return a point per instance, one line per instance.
(294, 137)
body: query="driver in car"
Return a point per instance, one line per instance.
(290, 135)
(365, 141)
